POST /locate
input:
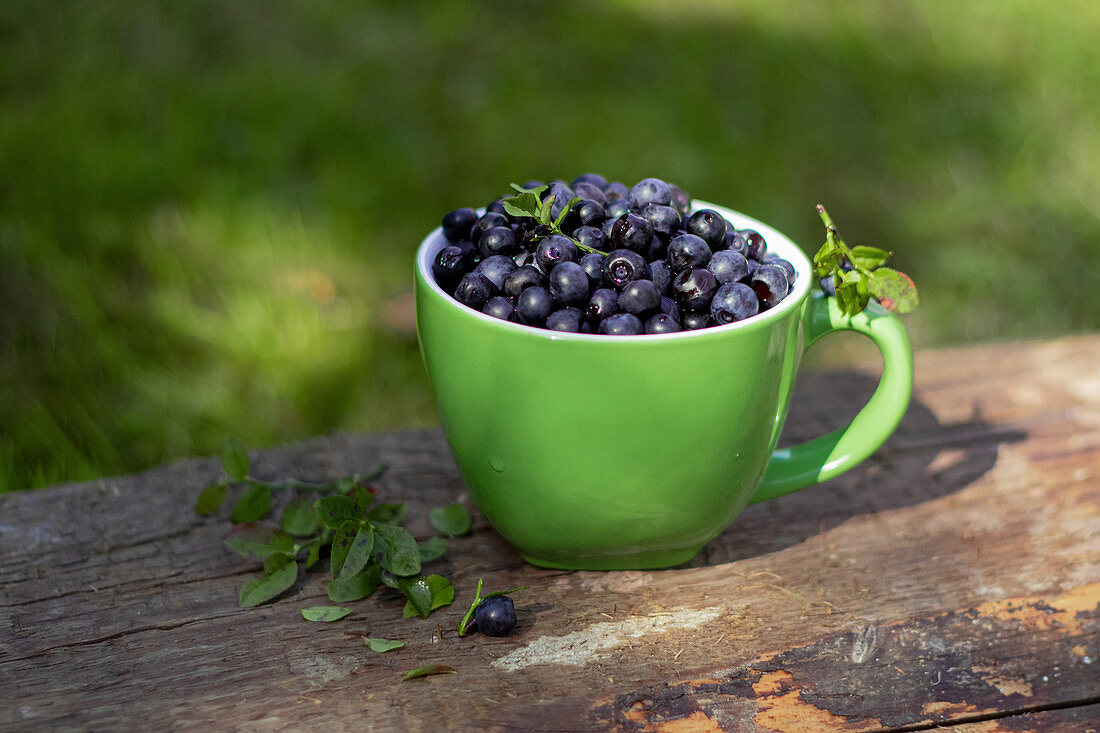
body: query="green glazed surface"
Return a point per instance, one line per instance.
(600, 453)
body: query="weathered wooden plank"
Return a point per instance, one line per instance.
(941, 581)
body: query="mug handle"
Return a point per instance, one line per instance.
(821, 459)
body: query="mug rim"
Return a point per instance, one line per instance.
(787, 249)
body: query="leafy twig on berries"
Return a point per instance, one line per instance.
(858, 274)
(529, 202)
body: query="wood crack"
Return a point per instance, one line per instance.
(999, 715)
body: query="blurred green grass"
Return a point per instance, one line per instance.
(208, 209)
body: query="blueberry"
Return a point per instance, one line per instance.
(778, 261)
(828, 285)
(728, 266)
(737, 242)
(663, 219)
(770, 284)
(562, 195)
(693, 289)
(586, 190)
(474, 290)
(496, 616)
(592, 264)
(449, 266)
(569, 284)
(534, 305)
(661, 275)
(622, 266)
(553, 250)
(631, 231)
(497, 241)
(591, 237)
(487, 221)
(521, 278)
(640, 297)
(584, 213)
(708, 225)
(500, 307)
(616, 208)
(662, 323)
(680, 200)
(591, 179)
(603, 303)
(616, 190)
(495, 268)
(757, 247)
(649, 191)
(695, 321)
(622, 324)
(669, 308)
(458, 223)
(733, 302)
(568, 319)
(686, 252)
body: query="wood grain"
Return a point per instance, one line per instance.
(950, 579)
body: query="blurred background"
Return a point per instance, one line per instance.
(208, 210)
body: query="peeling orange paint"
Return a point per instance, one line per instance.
(1046, 614)
(697, 722)
(1006, 685)
(944, 708)
(780, 707)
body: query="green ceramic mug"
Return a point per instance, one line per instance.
(603, 453)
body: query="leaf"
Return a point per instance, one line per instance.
(356, 588)
(442, 594)
(452, 519)
(432, 549)
(253, 505)
(211, 498)
(359, 554)
(335, 510)
(299, 518)
(827, 257)
(868, 257)
(363, 497)
(895, 290)
(314, 554)
(429, 670)
(399, 553)
(258, 541)
(342, 542)
(565, 211)
(388, 513)
(278, 577)
(235, 458)
(325, 613)
(419, 594)
(383, 645)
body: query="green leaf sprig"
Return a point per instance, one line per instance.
(528, 202)
(864, 277)
(464, 624)
(366, 543)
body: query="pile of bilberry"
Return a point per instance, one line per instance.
(596, 256)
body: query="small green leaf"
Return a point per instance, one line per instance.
(335, 510)
(400, 555)
(363, 497)
(342, 542)
(429, 670)
(258, 541)
(895, 290)
(432, 549)
(359, 554)
(388, 513)
(325, 613)
(358, 587)
(299, 518)
(211, 499)
(442, 594)
(279, 575)
(253, 505)
(383, 645)
(565, 212)
(235, 458)
(868, 257)
(452, 519)
(313, 554)
(419, 594)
